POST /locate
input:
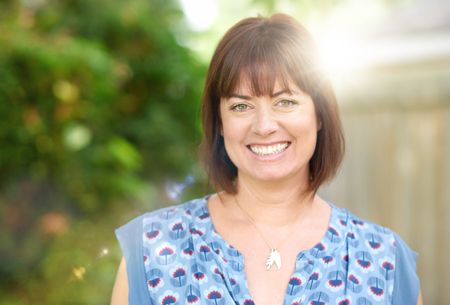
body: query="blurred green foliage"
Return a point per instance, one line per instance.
(98, 106)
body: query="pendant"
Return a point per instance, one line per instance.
(273, 258)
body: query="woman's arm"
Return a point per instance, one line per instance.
(120, 290)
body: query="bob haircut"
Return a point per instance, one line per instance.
(262, 51)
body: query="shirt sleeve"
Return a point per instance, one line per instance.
(130, 241)
(406, 281)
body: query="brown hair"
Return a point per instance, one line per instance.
(262, 51)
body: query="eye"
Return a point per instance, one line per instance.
(239, 107)
(286, 103)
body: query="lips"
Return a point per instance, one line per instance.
(269, 149)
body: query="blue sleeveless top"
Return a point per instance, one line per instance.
(175, 256)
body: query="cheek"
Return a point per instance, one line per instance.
(232, 146)
(306, 126)
(305, 133)
(233, 129)
(227, 131)
(232, 136)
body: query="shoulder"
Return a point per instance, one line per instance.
(371, 230)
(169, 225)
(162, 230)
(170, 217)
(378, 241)
(375, 249)
(174, 216)
(369, 235)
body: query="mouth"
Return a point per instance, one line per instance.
(269, 150)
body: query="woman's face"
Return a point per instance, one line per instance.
(270, 138)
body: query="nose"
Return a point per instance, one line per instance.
(264, 121)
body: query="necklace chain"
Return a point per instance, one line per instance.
(252, 221)
(274, 256)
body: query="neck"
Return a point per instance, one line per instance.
(274, 204)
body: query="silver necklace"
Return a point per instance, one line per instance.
(274, 256)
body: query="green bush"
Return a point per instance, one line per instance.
(98, 107)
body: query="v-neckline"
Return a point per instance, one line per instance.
(304, 257)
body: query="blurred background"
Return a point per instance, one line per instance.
(99, 122)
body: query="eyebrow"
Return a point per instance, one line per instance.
(243, 97)
(246, 97)
(283, 92)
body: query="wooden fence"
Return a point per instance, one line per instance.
(396, 170)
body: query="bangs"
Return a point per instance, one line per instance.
(259, 79)
(260, 63)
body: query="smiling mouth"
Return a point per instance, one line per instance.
(267, 150)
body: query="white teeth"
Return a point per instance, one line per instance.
(269, 150)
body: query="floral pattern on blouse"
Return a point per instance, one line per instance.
(187, 262)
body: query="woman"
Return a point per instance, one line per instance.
(272, 137)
